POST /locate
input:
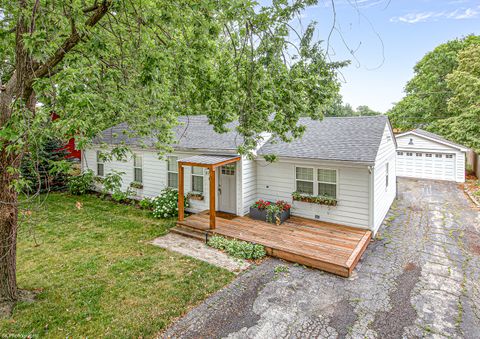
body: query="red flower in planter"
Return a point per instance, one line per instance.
(284, 206)
(261, 204)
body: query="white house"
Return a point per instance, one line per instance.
(351, 160)
(425, 155)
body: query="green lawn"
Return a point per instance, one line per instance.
(97, 274)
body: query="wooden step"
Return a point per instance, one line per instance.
(188, 232)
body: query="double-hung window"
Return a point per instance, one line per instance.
(172, 172)
(304, 179)
(100, 165)
(197, 179)
(137, 168)
(327, 182)
(387, 170)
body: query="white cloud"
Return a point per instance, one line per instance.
(458, 14)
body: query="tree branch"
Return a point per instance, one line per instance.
(72, 41)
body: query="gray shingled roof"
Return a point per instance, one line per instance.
(193, 132)
(436, 137)
(342, 139)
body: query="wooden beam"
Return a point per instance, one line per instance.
(195, 164)
(181, 193)
(225, 162)
(212, 198)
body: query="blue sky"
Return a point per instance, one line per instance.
(388, 38)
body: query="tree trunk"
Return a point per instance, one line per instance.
(8, 227)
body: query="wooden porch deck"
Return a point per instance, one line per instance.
(329, 247)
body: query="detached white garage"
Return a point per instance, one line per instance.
(421, 154)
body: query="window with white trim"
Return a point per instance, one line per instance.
(400, 153)
(197, 179)
(438, 155)
(327, 182)
(387, 170)
(449, 156)
(409, 154)
(304, 180)
(100, 165)
(428, 155)
(137, 168)
(172, 172)
(418, 154)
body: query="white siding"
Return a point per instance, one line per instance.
(422, 167)
(154, 174)
(276, 181)
(420, 143)
(249, 184)
(384, 195)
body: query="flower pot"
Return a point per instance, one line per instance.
(257, 214)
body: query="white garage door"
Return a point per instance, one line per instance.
(426, 165)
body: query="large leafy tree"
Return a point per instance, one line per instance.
(428, 92)
(98, 62)
(464, 104)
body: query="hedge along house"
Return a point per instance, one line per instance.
(351, 160)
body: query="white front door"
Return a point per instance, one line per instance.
(227, 192)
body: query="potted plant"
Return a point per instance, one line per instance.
(275, 213)
(195, 196)
(314, 199)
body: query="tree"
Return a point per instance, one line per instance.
(364, 110)
(427, 93)
(464, 104)
(99, 62)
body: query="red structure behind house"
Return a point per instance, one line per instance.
(70, 146)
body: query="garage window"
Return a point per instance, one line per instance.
(399, 153)
(386, 174)
(137, 168)
(409, 154)
(438, 155)
(449, 156)
(172, 172)
(428, 155)
(418, 154)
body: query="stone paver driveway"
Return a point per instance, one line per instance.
(419, 278)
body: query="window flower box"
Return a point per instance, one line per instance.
(137, 185)
(195, 196)
(275, 213)
(314, 199)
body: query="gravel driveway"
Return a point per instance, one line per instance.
(419, 278)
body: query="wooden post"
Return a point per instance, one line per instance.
(181, 195)
(212, 197)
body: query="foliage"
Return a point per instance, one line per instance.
(136, 184)
(273, 211)
(464, 82)
(46, 168)
(339, 109)
(315, 199)
(261, 204)
(435, 97)
(81, 184)
(146, 204)
(236, 248)
(283, 205)
(195, 196)
(166, 204)
(112, 182)
(88, 259)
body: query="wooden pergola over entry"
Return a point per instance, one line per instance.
(207, 161)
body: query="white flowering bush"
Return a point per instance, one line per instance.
(166, 204)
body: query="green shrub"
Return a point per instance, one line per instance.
(112, 182)
(166, 204)
(236, 248)
(81, 184)
(146, 204)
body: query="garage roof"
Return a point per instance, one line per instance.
(435, 137)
